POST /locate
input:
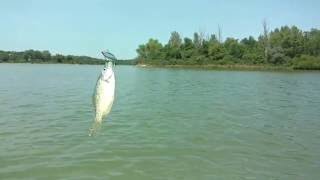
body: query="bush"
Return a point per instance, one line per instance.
(228, 59)
(277, 56)
(253, 58)
(306, 62)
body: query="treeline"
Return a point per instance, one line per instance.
(285, 46)
(35, 56)
(126, 62)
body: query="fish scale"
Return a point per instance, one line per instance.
(104, 94)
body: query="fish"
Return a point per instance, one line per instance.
(103, 96)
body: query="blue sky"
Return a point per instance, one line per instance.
(85, 27)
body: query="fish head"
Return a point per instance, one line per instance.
(107, 73)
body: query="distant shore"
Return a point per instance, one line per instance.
(243, 67)
(45, 57)
(49, 63)
(284, 48)
(102, 62)
(228, 67)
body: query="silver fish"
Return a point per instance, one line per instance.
(104, 96)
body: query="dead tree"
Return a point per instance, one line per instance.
(219, 34)
(266, 44)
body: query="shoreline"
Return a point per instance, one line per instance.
(231, 67)
(52, 63)
(226, 67)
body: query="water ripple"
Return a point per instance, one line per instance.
(165, 124)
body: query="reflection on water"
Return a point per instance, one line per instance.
(165, 123)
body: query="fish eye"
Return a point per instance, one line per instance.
(104, 68)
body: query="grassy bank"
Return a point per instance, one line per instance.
(225, 67)
(304, 62)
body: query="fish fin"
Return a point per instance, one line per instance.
(96, 126)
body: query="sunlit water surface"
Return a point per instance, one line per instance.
(165, 124)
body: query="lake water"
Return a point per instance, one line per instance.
(165, 124)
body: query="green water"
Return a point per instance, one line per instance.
(165, 124)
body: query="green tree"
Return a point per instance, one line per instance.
(46, 55)
(142, 54)
(216, 51)
(312, 42)
(253, 53)
(277, 56)
(172, 49)
(175, 40)
(234, 48)
(4, 57)
(291, 40)
(150, 51)
(197, 40)
(187, 49)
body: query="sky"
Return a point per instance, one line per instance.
(85, 27)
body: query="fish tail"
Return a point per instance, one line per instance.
(95, 128)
